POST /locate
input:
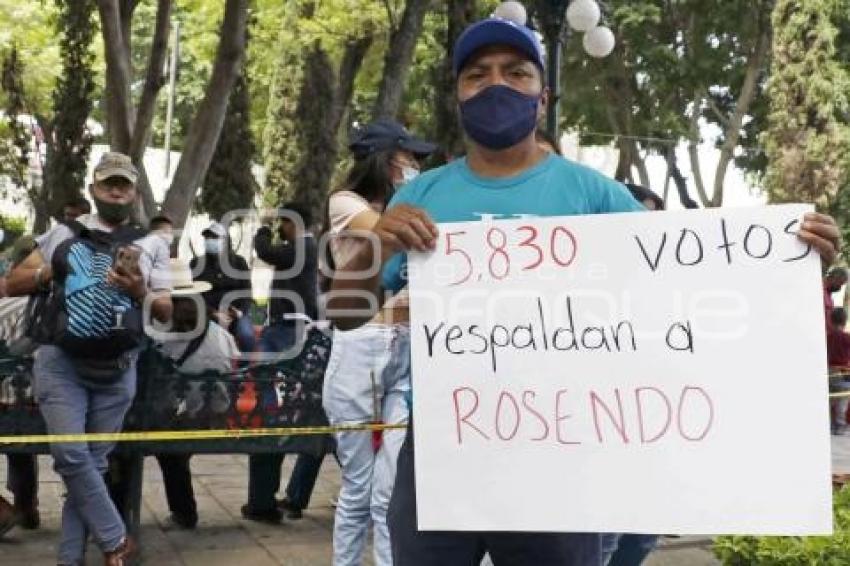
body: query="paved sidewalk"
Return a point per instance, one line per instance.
(223, 538)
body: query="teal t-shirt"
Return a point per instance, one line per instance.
(553, 187)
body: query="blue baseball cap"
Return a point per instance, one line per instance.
(385, 134)
(497, 31)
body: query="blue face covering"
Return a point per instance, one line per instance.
(499, 117)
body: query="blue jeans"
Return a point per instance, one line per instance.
(412, 547)
(368, 373)
(264, 469)
(620, 549)
(243, 332)
(72, 405)
(279, 336)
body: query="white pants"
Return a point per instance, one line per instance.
(368, 378)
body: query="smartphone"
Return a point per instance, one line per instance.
(127, 259)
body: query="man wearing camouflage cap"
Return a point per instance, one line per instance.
(74, 398)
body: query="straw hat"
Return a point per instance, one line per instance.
(181, 280)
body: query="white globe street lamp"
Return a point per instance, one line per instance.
(599, 42)
(583, 15)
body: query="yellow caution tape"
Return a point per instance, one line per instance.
(168, 435)
(213, 434)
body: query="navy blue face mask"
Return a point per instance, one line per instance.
(499, 117)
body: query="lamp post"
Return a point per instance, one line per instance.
(552, 15)
(598, 41)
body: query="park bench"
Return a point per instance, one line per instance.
(282, 394)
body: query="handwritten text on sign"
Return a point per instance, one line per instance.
(621, 373)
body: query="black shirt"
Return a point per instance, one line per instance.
(223, 282)
(302, 284)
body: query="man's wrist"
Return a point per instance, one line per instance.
(39, 279)
(139, 296)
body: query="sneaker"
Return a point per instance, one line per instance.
(270, 516)
(122, 555)
(292, 512)
(8, 517)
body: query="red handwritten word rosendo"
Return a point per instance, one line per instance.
(559, 246)
(518, 416)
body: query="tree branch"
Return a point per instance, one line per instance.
(153, 81)
(721, 117)
(745, 99)
(206, 126)
(693, 147)
(390, 16)
(147, 105)
(118, 96)
(640, 164)
(355, 52)
(398, 58)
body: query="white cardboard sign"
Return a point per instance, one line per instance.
(655, 372)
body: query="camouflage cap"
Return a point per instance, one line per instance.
(114, 164)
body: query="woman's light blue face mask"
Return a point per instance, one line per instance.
(212, 245)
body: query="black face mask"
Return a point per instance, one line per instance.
(112, 212)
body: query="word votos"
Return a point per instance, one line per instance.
(689, 248)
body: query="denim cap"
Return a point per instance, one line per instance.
(497, 31)
(385, 134)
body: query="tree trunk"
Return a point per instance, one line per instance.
(623, 173)
(398, 58)
(206, 125)
(459, 14)
(679, 181)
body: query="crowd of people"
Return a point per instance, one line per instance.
(98, 270)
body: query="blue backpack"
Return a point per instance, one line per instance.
(91, 320)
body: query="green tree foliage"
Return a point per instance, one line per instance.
(13, 228)
(280, 152)
(28, 25)
(808, 140)
(676, 66)
(306, 120)
(68, 139)
(15, 146)
(229, 183)
(17, 150)
(198, 23)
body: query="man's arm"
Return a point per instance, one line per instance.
(281, 256)
(353, 302)
(30, 276)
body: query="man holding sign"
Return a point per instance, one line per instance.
(499, 68)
